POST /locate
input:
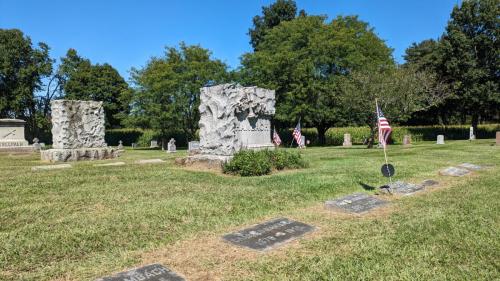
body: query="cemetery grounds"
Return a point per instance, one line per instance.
(87, 222)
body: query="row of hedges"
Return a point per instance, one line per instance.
(334, 136)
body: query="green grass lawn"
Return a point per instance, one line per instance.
(88, 222)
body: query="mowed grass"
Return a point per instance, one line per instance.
(87, 222)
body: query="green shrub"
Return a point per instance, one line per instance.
(249, 163)
(256, 163)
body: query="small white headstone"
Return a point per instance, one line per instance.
(471, 134)
(407, 140)
(120, 145)
(154, 144)
(440, 139)
(302, 142)
(347, 140)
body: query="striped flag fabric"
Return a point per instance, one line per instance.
(384, 129)
(276, 137)
(297, 134)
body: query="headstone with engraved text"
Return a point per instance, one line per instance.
(355, 203)
(152, 272)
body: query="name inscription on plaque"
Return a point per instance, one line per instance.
(152, 272)
(269, 234)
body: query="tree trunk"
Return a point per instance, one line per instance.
(321, 134)
(371, 138)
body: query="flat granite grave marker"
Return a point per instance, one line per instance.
(152, 272)
(50, 167)
(454, 172)
(269, 234)
(149, 161)
(356, 203)
(110, 164)
(405, 188)
(470, 167)
(427, 183)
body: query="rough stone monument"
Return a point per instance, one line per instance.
(171, 146)
(440, 139)
(347, 140)
(12, 136)
(232, 118)
(77, 132)
(407, 140)
(471, 134)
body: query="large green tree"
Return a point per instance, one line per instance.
(272, 15)
(400, 92)
(471, 57)
(167, 92)
(303, 59)
(82, 80)
(22, 69)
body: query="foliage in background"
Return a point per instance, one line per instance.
(257, 163)
(82, 80)
(467, 58)
(167, 93)
(143, 137)
(22, 68)
(272, 15)
(302, 60)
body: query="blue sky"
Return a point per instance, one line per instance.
(127, 33)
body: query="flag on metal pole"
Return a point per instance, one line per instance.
(384, 129)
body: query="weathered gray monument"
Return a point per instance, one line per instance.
(12, 136)
(347, 140)
(233, 117)
(171, 146)
(78, 132)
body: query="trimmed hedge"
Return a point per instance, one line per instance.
(257, 163)
(334, 136)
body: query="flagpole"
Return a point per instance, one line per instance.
(385, 153)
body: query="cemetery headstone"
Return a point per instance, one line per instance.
(470, 166)
(471, 134)
(12, 136)
(407, 140)
(152, 272)
(440, 139)
(498, 138)
(347, 140)
(193, 147)
(120, 145)
(134, 145)
(356, 203)
(154, 144)
(454, 172)
(269, 234)
(36, 145)
(171, 146)
(78, 132)
(233, 117)
(302, 142)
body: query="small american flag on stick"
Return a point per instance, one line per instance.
(276, 137)
(297, 135)
(384, 130)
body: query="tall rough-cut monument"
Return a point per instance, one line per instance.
(78, 132)
(233, 117)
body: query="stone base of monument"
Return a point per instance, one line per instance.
(204, 161)
(79, 154)
(16, 146)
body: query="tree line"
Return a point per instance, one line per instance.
(325, 72)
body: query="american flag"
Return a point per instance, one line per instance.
(276, 137)
(297, 135)
(384, 130)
